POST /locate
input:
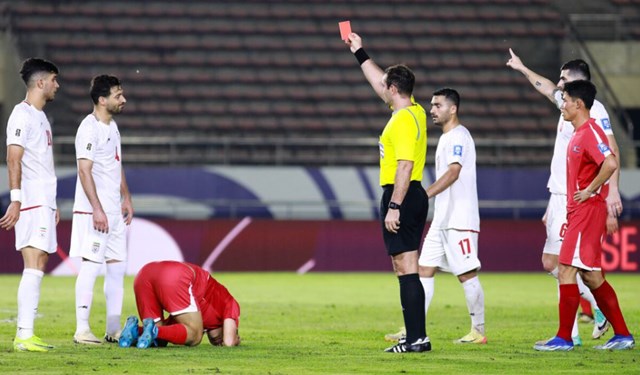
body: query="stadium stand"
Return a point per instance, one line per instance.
(277, 71)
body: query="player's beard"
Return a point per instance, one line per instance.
(115, 109)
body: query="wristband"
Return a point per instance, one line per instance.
(361, 55)
(394, 206)
(16, 195)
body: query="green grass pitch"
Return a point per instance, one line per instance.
(330, 324)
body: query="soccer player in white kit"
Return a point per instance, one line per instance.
(451, 244)
(33, 183)
(101, 210)
(555, 218)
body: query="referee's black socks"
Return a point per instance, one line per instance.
(412, 300)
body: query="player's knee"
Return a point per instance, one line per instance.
(549, 265)
(194, 337)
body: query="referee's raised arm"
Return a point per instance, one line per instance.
(371, 70)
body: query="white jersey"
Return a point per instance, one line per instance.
(457, 206)
(100, 143)
(558, 180)
(29, 128)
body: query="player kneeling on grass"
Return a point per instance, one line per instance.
(195, 301)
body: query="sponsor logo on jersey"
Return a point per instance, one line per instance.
(603, 147)
(576, 149)
(457, 150)
(88, 146)
(18, 131)
(606, 124)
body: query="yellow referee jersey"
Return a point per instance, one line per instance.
(403, 138)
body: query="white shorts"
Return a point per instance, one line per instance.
(450, 250)
(37, 228)
(86, 242)
(556, 223)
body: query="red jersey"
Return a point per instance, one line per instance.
(179, 287)
(587, 150)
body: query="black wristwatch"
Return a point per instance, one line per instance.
(394, 206)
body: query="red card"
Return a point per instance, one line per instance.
(345, 29)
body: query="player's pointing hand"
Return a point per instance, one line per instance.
(514, 62)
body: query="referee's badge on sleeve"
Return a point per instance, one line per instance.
(457, 150)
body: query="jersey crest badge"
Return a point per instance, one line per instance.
(457, 150)
(603, 148)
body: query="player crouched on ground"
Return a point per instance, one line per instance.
(195, 301)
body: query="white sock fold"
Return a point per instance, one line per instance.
(474, 295)
(84, 293)
(114, 293)
(28, 299)
(428, 286)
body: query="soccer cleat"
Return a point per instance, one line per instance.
(585, 318)
(129, 334)
(112, 337)
(87, 338)
(577, 341)
(32, 344)
(600, 326)
(149, 334)
(395, 337)
(618, 342)
(420, 345)
(555, 344)
(473, 337)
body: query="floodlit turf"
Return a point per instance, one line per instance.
(330, 323)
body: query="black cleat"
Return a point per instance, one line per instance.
(420, 345)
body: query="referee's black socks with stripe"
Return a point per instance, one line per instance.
(412, 300)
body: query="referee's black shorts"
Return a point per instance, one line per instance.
(413, 217)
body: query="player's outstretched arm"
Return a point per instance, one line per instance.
(540, 83)
(372, 72)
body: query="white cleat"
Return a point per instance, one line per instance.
(86, 338)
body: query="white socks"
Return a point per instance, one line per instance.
(28, 298)
(475, 302)
(428, 286)
(114, 293)
(84, 293)
(585, 293)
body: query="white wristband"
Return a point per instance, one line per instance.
(16, 195)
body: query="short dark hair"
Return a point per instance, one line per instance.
(579, 67)
(35, 65)
(401, 77)
(101, 86)
(450, 95)
(583, 90)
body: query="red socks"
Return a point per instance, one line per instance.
(568, 307)
(175, 334)
(608, 303)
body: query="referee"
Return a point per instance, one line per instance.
(404, 205)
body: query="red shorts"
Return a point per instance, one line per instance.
(586, 228)
(164, 286)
